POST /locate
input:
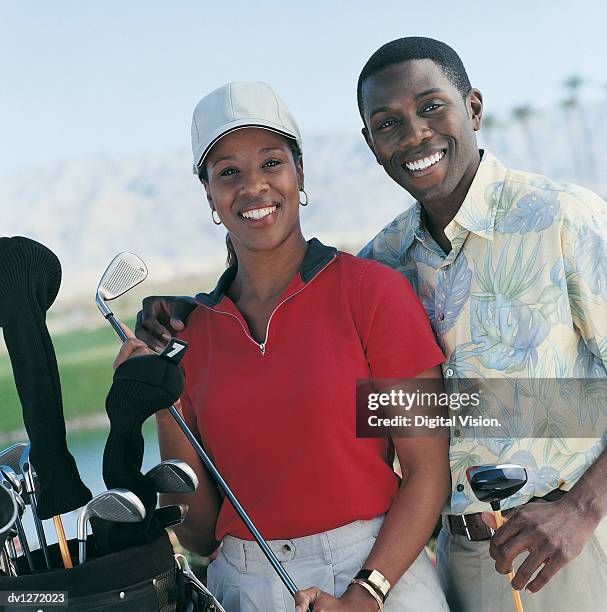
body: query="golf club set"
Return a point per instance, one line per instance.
(128, 562)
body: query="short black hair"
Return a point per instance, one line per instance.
(415, 48)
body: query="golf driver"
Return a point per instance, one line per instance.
(126, 271)
(172, 476)
(27, 471)
(492, 484)
(116, 505)
(10, 479)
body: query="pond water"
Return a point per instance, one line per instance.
(87, 448)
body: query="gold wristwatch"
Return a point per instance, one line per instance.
(376, 579)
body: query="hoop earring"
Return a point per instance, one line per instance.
(305, 202)
(213, 211)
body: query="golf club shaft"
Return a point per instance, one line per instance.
(65, 553)
(268, 552)
(24, 545)
(6, 562)
(516, 596)
(40, 531)
(81, 552)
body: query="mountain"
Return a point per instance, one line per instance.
(88, 210)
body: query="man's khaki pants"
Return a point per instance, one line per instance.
(472, 584)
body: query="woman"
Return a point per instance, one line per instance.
(270, 385)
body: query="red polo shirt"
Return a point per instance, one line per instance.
(279, 418)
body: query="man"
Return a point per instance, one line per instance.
(511, 269)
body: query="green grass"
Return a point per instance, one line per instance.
(85, 365)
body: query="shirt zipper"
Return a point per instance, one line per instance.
(262, 345)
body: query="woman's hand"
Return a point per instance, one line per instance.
(131, 347)
(355, 599)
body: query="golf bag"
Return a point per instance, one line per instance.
(138, 579)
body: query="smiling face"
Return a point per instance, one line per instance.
(253, 184)
(421, 130)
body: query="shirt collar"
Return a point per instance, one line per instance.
(316, 257)
(478, 210)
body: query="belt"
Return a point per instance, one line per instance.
(473, 527)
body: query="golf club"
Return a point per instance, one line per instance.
(492, 484)
(172, 476)
(10, 479)
(117, 505)
(169, 516)
(28, 480)
(184, 566)
(126, 271)
(8, 514)
(10, 456)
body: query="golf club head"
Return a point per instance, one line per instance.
(27, 471)
(173, 476)
(493, 483)
(169, 516)
(125, 271)
(11, 478)
(117, 505)
(8, 514)
(10, 456)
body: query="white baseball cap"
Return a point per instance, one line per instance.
(235, 106)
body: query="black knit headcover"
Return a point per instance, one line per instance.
(142, 386)
(30, 276)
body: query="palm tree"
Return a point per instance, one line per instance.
(575, 111)
(523, 114)
(569, 105)
(490, 123)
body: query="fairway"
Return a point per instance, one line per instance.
(85, 361)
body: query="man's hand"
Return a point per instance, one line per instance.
(554, 533)
(162, 317)
(355, 599)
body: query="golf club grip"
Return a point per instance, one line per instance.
(221, 483)
(65, 553)
(516, 596)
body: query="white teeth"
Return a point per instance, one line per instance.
(259, 213)
(426, 162)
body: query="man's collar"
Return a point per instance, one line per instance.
(478, 210)
(316, 257)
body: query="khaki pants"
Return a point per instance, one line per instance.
(243, 581)
(472, 584)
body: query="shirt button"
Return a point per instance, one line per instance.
(287, 548)
(457, 433)
(460, 487)
(441, 316)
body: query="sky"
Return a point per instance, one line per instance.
(84, 78)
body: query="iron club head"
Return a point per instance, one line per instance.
(173, 476)
(493, 483)
(125, 271)
(117, 505)
(11, 479)
(10, 456)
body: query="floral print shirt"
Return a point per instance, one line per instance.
(522, 296)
